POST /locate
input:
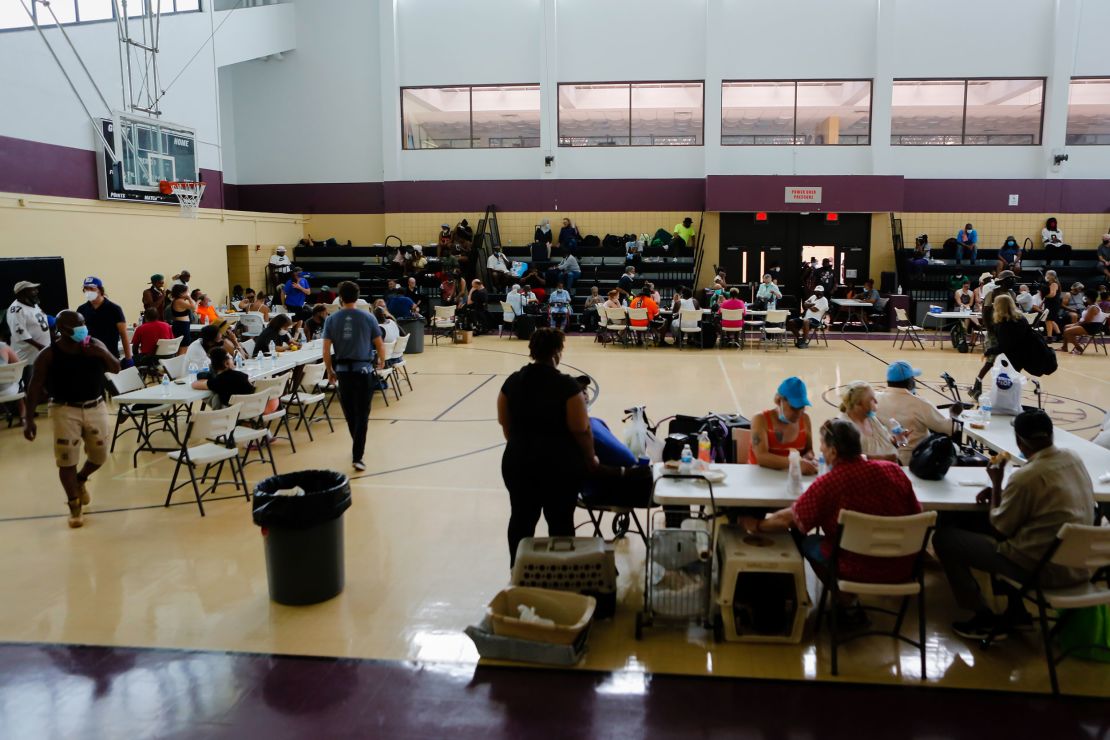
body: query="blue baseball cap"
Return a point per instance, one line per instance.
(901, 370)
(94, 281)
(794, 391)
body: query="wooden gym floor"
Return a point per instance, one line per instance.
(425, 546)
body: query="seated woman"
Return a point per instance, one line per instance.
(786, 427)
(197, 353)
(732, 303)
(391, 332)
(1009, 256)
(275, 332)
(315, 323)
(9, 357)
(224, 380)
(859, 405)
(1092, 322)
(206, 312)
(614, 483)
(590, 315)
(559, 306)
(569, 236)
(614, 300)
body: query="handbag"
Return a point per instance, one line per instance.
(933, 456)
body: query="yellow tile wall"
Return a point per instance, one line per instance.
(1081, 230)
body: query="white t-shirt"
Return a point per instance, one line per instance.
(1047, 234)
(12, 388)
(390, 331)
(496, 262)
(281, 262)
(27, 322)
(360, 303)
(818, 308)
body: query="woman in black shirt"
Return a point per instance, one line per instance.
(274, 332)
(550, 449)
(225, 381)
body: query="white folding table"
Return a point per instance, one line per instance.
(848, 306)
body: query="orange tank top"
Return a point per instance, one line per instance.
(773, 445)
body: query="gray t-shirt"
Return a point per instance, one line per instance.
(352, 333)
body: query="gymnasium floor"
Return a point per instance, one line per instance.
(426, 534)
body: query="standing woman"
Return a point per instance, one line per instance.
(181, 312)
(549, 447)
(1053, 302)
(859, 405)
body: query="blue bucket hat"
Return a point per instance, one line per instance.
(794, 391)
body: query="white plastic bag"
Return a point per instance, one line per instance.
(637, 436)
(1103, 438)
(1006, 385)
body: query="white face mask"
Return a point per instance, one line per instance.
(91, 295)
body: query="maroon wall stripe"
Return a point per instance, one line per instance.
(36, 168)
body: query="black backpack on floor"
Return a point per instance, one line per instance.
(524, 327)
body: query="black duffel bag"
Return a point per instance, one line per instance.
(933, 456)
(524, 327)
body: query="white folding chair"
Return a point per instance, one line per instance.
(753, 330)
(252, 432)
(214, 431)
(774, 327)
(689, 322)
(175, 366)
(386, 375)
(506, 310)
(136, 414)
(308, 401)
(643, 331)
(10, 375)
(905, 329)
(443, 322)
(248, 347)
(279, 418)
(1076, 546)
(164, 349)
(879, 537)
(616, 322)
(732, 314)
(251, 324)
(396, 361)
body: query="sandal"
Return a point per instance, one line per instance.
(1076, 351)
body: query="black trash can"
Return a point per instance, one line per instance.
(415, 329)
(303, 534)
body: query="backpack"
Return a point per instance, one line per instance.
(933, 457)
(611, 240)
(591, 240)
(958, 335)
(662, 238)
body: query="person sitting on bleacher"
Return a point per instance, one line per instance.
(1053, 240)
(499, 267)
(535, 281)
(1009, 255)
(1103, 254)
(569, 236)
(570, 271)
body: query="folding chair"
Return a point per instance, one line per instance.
(616, 323)
(1086, 340)
(906, 329)
(640, 332)
(277, 388)
(136, 414)
(821, 331)
(307, 401)
(252, 433)
(506, 309)
(1076, 546)
(219, 427)
(396, 361)
(689, 322)
(774, 328)
(175, 366)
(251, 324)
(165, 349)
(623, 518)
(11, 375)
(879, 537)
(387, 376)
(732, 314)
(443, 322)
(248, 347)
(753, 330)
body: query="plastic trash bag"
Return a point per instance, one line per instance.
(327, 494)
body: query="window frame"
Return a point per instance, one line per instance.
(870, 108)
(470, 114)
(630, 83)
(963, 118)
(77, 14)
(1084, 78)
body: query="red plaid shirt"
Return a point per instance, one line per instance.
(869, 487)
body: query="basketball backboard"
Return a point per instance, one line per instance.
(149, 151)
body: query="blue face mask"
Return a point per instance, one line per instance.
(80, 333)
(872, 415)
(782, 417)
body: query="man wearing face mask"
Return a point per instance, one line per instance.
(786, 427)
(105, 320)
(916, 415)
(71, 372)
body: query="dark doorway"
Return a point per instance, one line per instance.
(750, 247)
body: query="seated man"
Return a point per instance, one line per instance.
(868, 294)
(916, 415)
(1025, 299)
(768, 295)
(1050, 490)
(645, 301)
(499, 267)
(614, 484)
(967, 240)
(816, 306)
(854, 483)
(400, 305)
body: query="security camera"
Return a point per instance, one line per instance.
(1058, 159)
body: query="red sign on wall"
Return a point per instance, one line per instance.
(803, 195)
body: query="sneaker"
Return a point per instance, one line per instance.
(359, 465)
(86, 499)
(979, 628)
(976, 390)
(76, 518)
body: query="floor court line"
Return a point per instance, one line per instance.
(468, 395)
(728, 382)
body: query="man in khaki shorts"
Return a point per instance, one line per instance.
(71, 372)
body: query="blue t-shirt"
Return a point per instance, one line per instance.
(559, 301)
(400, 305)
(968, 237)
(352, 333)
(295, 298)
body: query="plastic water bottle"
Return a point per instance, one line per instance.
(192, 369)
(272, 351)
(794, 474)
(985, 412)
(165, 385)
(686, 462)
(822, 465)
(896, 429)
(704, 448)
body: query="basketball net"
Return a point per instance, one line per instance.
(188, 195)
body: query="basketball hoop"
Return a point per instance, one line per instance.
(188, 195)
